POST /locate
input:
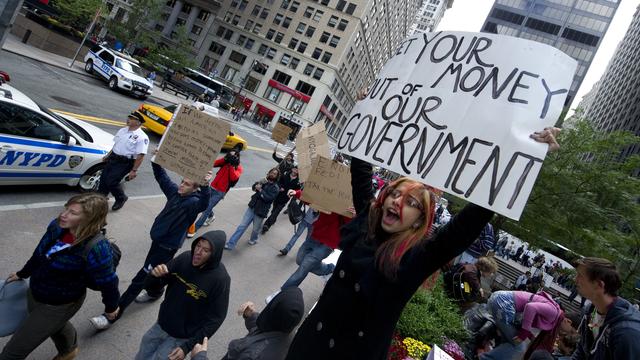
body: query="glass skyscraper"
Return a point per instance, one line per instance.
(573, 26)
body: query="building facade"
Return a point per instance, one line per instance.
(430, 14)
(303, 61)
(573, 26)
(616, 104)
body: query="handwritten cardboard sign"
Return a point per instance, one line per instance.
(438, 354)
(312, 141)
(455, 110)
(191, 143)
(280, 133)
(328, 186)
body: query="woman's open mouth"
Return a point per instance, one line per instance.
(390, 216)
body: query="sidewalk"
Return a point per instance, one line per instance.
(255, 271)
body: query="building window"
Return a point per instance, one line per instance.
(296, 105)
(318, 74)
(293, 43)
(286, 22)
(300, 28)
(324, 37)
(286, 59)
(302, 47)
(248, 25)
(310, 31)
(262, 50)
(351, 8)
(236, 20)
(271, 53)
(308, 70)
(305, 88)
(241, 40)
(294, 63)
(326, 57)
(272, 94)
(507, 16)
(294, 6)
(252, 84)
(264, 13)
(333, 21)
(285, 4)
(341, 5)
(249, 44)
(186, 8)
(278, 19)
(237, 58)
(196, 30)
(228, 73)
(256, 10)
(316, 53)
(204, 15)
(279, 37)
(318, 15)
(227, 16)
(256, 28)
(281, 77)
(235, 3)
(260, 68)
(334, 41)
(243, 5)
(216, 48)
(343, 24)
(324, 2)
(543, 26)
(308, 12)
(270, 34)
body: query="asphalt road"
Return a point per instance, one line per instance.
(67, 91)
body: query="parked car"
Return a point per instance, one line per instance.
(157, 118)
(38, 146)
(119, 70)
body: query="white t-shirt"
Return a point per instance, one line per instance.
(130, 143)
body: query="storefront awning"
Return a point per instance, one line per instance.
(295, 93)
(263, 110)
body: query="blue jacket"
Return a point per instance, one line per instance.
(618, 338)
(484, 243)
(171, 225)
(63, 277)
(261, 200)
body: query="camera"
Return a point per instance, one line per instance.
(232, 159)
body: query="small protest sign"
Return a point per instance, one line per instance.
(438, 354)
(328, 187)
(191, 143)
(280, 133)
(312, 141)
(455, 110)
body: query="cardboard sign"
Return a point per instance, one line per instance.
(191, 143)
(455, 110)
(311, 142)
(328, 187)
(280, 133)
(438, 354)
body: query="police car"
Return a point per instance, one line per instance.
(38, 146)
(120, 70)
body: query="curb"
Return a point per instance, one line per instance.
(69, 69)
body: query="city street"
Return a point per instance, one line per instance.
(89, 97)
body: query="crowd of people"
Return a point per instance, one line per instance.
(389, 248)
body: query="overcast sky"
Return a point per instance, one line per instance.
(469, 15)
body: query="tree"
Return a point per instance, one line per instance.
(76, 13)
(177, 56)
(586, 200)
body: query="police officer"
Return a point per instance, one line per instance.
(130, 146)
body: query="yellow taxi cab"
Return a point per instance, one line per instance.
(156, 119)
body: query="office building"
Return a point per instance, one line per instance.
(430, 14)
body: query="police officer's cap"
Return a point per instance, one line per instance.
(136, 116)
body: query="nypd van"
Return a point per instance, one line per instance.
(38, 146)
(119, 70)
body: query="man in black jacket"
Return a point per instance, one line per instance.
(196, 300)
(288, 181)
(284, 164)
(266, 191)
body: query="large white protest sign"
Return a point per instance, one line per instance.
(455, 110)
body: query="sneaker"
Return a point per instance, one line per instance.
(191, 232)
(209, 220)
(251, 242)
(227, 247)
(283, 252)
(68, 356)
(100, 322)
(270, 297)
(144, 297)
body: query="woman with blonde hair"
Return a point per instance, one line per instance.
(60, 270)
(388, 250)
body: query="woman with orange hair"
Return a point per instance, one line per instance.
(388, 250)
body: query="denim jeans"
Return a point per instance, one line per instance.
(302, 226)
(216, 196)
(309, 259)
(502, 307)
(249, 216)
(156, 344)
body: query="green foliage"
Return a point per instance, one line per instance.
(586, 200)
(174, 57)
(76, 13)
(430, 315)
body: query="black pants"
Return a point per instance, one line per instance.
(111, 176)
(158, 254)
(275, 211)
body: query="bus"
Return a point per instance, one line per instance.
(210, 86)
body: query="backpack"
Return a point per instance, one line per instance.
(296, 210)
(116, 254)
(457, 286)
